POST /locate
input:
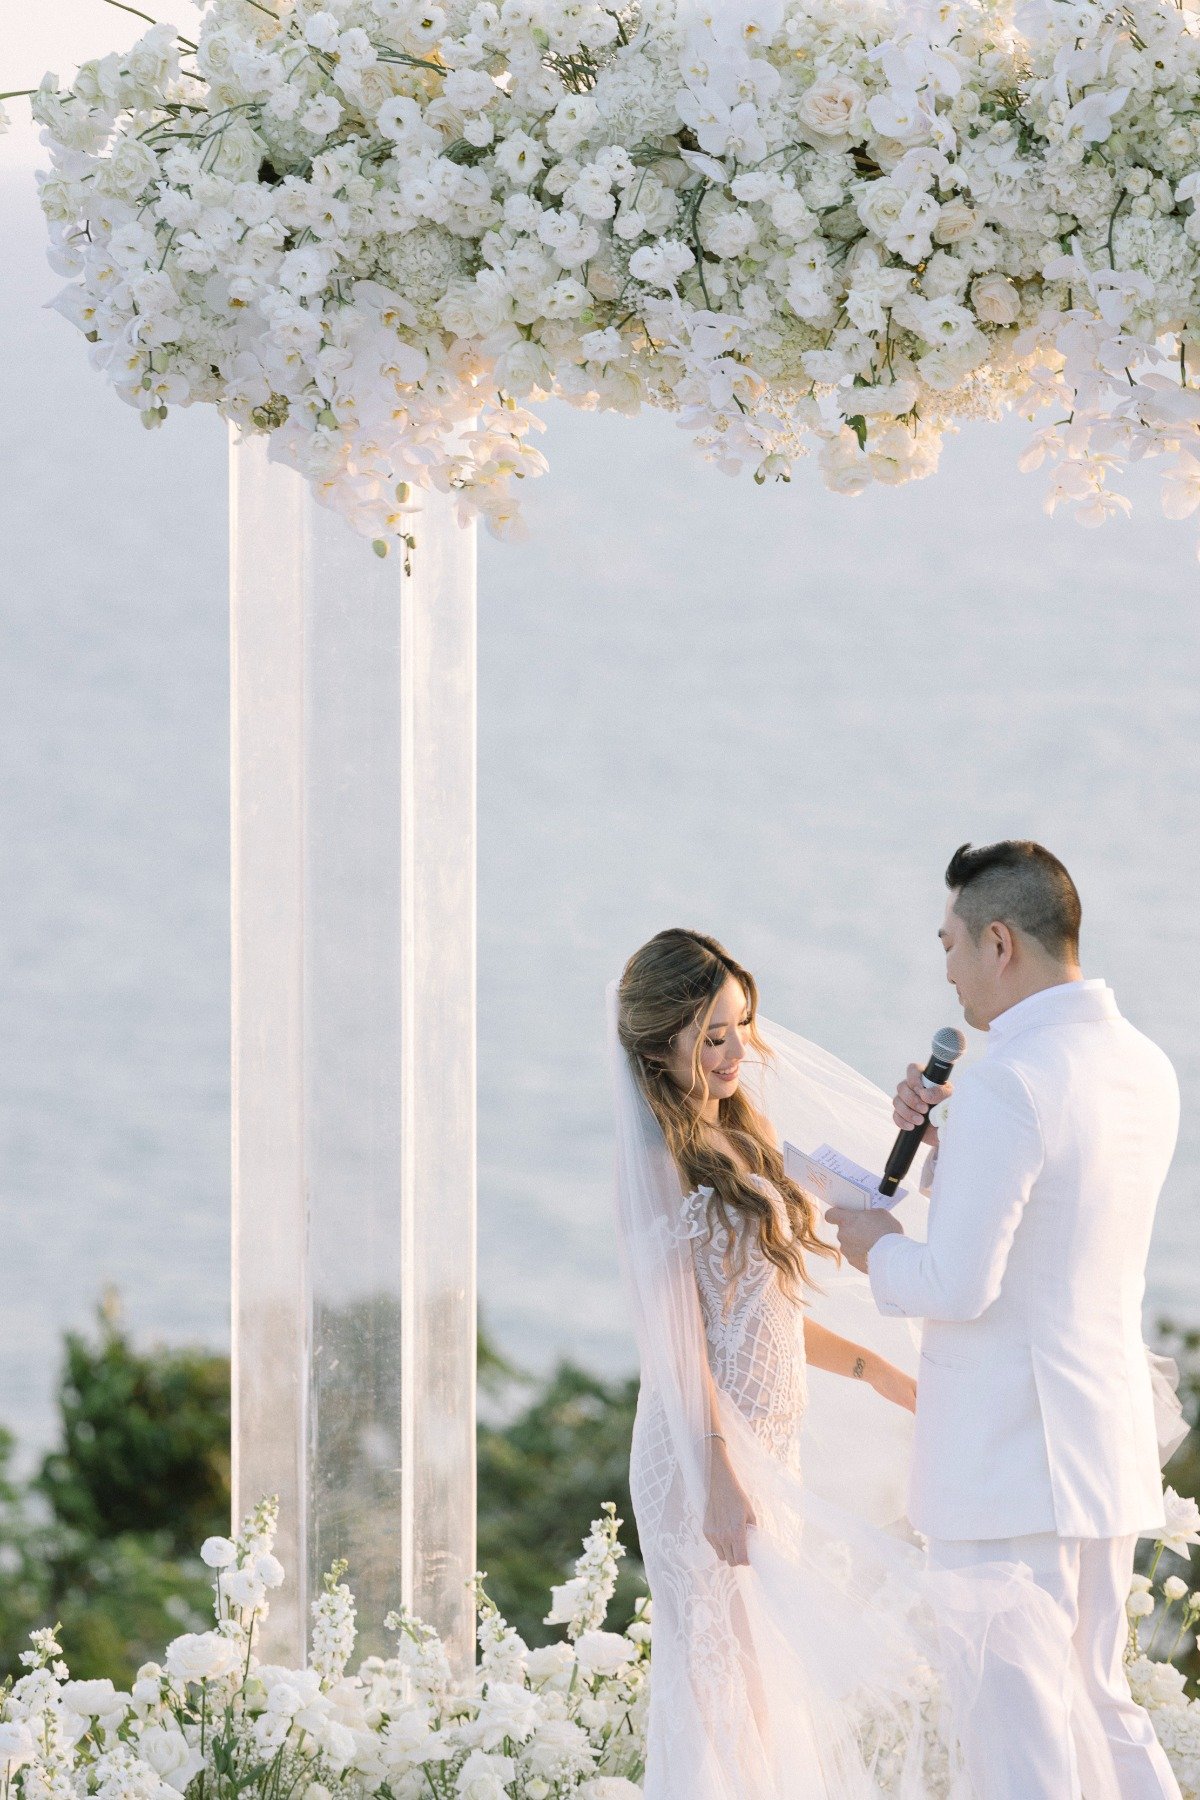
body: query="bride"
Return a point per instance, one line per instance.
(802, 1651)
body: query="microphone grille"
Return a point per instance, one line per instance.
(949, 1043)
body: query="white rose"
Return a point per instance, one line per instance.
(338, 1743)
(201, 1656)
(1139, 1606)
(128, 171)
(1182, 1527)
(879, 207)
(792, 215)
(955, 221)
(484, 1777)
(1174, 1588)
(153, 60)
(218, 1552)
(170, 1755)
(551, 1665)
(603, 1652)
(833, 107)
(17, 1746)
(728, 233)
(368, 88)
(996, 300)
(96, 1700)
(240, 154)
(559, 1744)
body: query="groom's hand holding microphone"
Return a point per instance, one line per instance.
(917, 1094)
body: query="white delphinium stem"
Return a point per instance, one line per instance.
(333, 1628)
(581, 1604)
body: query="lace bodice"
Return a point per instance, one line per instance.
(755, 1333)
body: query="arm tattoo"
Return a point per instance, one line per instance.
(859, 1369)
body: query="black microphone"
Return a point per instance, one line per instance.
(948, 1046)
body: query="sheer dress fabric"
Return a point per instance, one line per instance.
(835, 1665)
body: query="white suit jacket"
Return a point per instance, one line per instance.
(1034, 1403)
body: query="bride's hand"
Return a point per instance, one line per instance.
(729, 1514)
(891, 1383)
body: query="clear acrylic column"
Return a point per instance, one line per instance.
(353, 890)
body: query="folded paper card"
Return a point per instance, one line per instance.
(834, 1180)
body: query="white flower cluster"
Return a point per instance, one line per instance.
(1155, 1682)
(563, 1721)
(377, 229)
(212, 1720)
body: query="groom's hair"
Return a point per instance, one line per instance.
(1020, 884)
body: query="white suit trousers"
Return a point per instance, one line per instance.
(1026, 1749)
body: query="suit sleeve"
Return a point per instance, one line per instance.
(990, 1154)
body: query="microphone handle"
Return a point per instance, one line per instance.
(909, 1142)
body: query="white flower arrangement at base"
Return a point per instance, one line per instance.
(378, 230)
(567, 1719)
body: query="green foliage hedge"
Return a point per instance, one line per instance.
(103, 1537)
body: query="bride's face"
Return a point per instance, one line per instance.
(723, 1044)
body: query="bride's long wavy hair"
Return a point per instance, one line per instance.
(671, 983)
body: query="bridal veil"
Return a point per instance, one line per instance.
(834, 1666)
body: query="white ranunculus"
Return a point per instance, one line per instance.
(241, 1587)
(834, 107)
(218, 1552)
(1174, 1588)
(170, 1755)
(201, 1656)
(603, 1652)
(1139, 1606)
(269, 1570)
(996, 300)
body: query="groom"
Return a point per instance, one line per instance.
(1035, 1434)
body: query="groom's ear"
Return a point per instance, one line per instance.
(1002, 943)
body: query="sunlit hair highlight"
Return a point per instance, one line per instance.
(671, 983)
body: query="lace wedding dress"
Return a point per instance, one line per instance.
(834, 1665)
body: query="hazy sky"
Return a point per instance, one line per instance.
(59, 35)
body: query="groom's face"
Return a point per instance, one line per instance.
(970, 970)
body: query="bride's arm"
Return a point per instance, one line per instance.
(826, 1350)
(728, 1513)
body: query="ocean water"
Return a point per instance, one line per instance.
(770, 713)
